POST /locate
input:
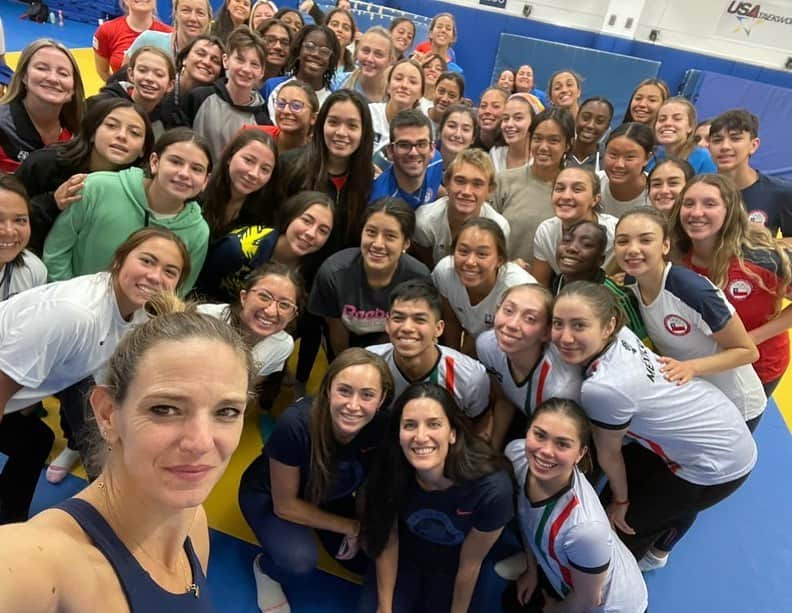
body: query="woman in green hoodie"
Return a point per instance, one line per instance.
(115, 204)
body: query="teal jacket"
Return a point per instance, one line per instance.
(113, 205)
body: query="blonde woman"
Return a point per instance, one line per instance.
(191, 18)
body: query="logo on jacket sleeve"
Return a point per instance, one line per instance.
(676, 325)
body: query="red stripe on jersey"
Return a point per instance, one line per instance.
(658, 450)
(554, 530)
(542, 380)
(450, 376)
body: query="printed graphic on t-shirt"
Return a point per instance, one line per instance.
(435, 527)
(676, 325)
(739, 289)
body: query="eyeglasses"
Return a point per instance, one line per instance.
(294, 105)
(312, 47)
(405, 146)
(271, 41)
(285, 307)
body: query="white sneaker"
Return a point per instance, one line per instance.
(62, 465)
(269, 593)
(512, 567)
(650, 561)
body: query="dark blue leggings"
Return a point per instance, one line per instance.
(289, 550)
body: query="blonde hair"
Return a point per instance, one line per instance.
(175, 8)
(737, 236)
(72, 112)
(354, 78)
(476, 158)
(689, 144)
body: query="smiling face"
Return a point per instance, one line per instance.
(490, 110)
(309, 232)
(432, 69)
(516, 121)
(624, 160)
(506, 81)
(548, 144)
(382, 243)
(341, 25)
(564, 90)
(151, 78)
(639, 247)
(425, 435)
(181, 171)
(288, 119)
(243, 68)
(239, 10)
(154, 265)
(276, 45)
(269, 306)
(49, 77)
(446, 93)
(293, 21)
(250, 168)
(524, 79)
(373, 55)
(732, 149)
(355, 395)
(665, 183)
(261, 13)
(468, 189)
(522, 321)
(457, 133)
(553, 447)
(14, 225)
(192, 18)
(573, 196)
(315, 55)
(703, 212)
(645, 103)
(413, 328)
(592, 121)
(204, 62)
(343, 129)
(404, 85)
(411, 150)
(701, 135)
(673, 126)
(120, 138)
(180, 421)
(443, 33)
(577, 332)
(580, 253)
(403, 35)
(476, 260)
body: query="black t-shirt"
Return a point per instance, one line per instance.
(769, 201)
(433, 525)
(290, 444)
(341, 291)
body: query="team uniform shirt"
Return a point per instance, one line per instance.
(551, 377)
(756, 304)
(464, 378)
(386, 185)
(18, 136)
(341, 291)
(479, 317)
(58, 334)
(769, 201)
(699, 159)
(114, 37)
(17, 278)
(432, 229)
(571, 530)
(433, 525)
(290, 444)
(694, 428)
(681, 322)
(269, 354)
(525, 203)
(617, 208)
(548, 236)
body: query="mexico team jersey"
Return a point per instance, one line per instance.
(694, 428)
(465, 378)
(751, 289)
(681, 321)
(550, 378)
(571, 530)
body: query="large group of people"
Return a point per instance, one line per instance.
(550, 335)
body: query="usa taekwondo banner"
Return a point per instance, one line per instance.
(759, 23)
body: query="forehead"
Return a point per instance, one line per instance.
(316, 36)
(667, 170)
(413, 306)
(290, 91)
(383, 220)
(151, 57)
(423, 408)
(493, 96)
(207, 45)
(127, 114)
(460, 117)
(320, 212)
(448, 82)
(573, 306)
(444, 20)
(525, 69)
(277, 285)
(557, 425)
(163, 249)
(344, 109)
(674, 107)
(469, 170)
(405, 68)
(412, 133)
(584, 232)
(574, 175)
(526, 298)
(638, 224)
(702, 190)
(549, 127)
(596, 107)
(649, 89)
(359, 375)
(477, 237)
(564, 78)
(12, 201)
(51, 54)
(188, 150)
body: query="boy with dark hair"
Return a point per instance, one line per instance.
(734, 138)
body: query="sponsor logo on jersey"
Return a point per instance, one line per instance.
(757, 216)
(739, 289)
(676, 325)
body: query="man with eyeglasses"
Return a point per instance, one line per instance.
(417, 169)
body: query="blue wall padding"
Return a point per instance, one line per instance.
(713, 93)
(606, 74)
(381, 16)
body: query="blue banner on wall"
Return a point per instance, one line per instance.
(498, 4)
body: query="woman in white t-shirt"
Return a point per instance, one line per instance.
(268, 303)
(471, 281)
(691, 448)
(627, 151)
(566, 532)
(405, 84)
(576, 197)
(59, 334)
(516, 129)
(19, 268)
